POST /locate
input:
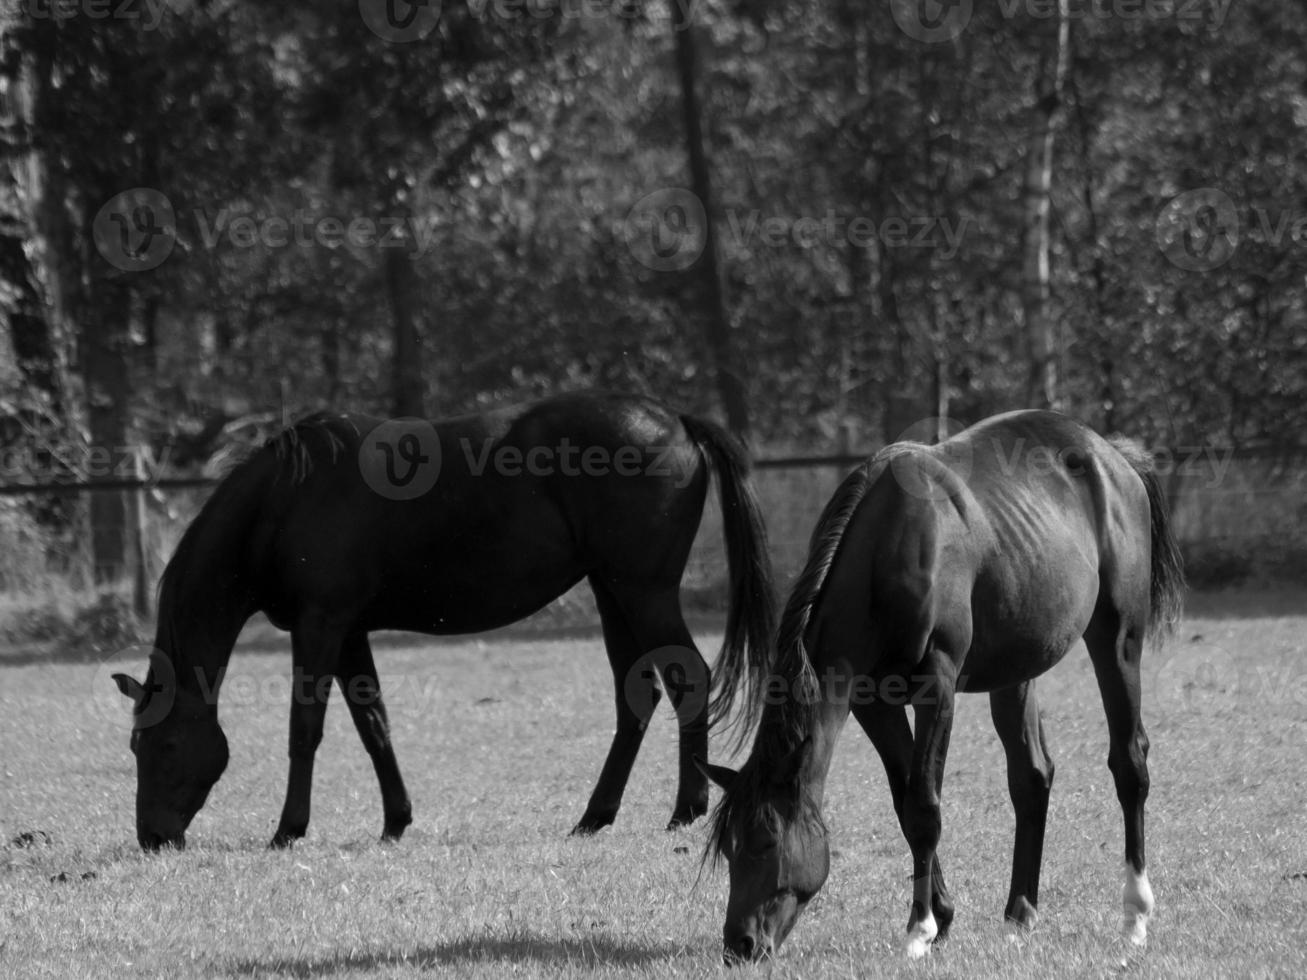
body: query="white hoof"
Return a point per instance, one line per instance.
(1134, 928)
(921, 936)
(1137, 907)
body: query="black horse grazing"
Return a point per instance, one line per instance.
(345, 524)
(972, 565)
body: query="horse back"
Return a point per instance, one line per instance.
(522, 503)
(994, 546)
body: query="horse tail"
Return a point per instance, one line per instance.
(1166, 592)
(751, 615)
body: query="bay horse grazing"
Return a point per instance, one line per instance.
(971, 565)
(345, 524)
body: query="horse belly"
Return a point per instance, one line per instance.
(1020, 632)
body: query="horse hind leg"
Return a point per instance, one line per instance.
(606, 798)
(1030, 780)
(664, 640)
(1115, 642)
(646, 636)
(358, 682)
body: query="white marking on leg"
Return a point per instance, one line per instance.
(921, 934)
(1137, 904)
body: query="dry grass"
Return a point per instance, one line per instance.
(501, 741)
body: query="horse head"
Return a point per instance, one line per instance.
(180, 752)
(774, 841)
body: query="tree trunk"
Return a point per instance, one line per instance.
(1041, 336)
(730, 385)
(401, 286)
(105, 374)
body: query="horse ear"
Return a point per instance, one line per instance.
(789, 768)
(130, 686)
(720, 775)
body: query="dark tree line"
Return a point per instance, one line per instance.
(890, 228)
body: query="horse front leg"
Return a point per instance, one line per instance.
(358, 682)
(933, 709)
(891, 735)
(315, 650)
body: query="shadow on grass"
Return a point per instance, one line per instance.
(521, 948)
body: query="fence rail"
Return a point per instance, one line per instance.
(1165, 457)
(1230, 507)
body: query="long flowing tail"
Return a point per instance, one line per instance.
(1167, 573)
(751, 617)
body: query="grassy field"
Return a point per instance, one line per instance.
(501, 740)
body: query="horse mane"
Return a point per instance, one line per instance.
(787, 721)
(211, 548)
(294, 445)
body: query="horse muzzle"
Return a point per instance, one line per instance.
(745, 948)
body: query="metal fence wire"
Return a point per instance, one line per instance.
(1233, 510)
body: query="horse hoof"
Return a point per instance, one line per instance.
(917, 948)
(1021, 916)
(392, 833)
(921, 939)
(589, 825)
(1135, 930)
(282, 841)
(679, 821)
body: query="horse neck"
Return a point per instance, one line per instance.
(817, 710)
(197, 634)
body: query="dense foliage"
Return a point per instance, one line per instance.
(873, 194)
